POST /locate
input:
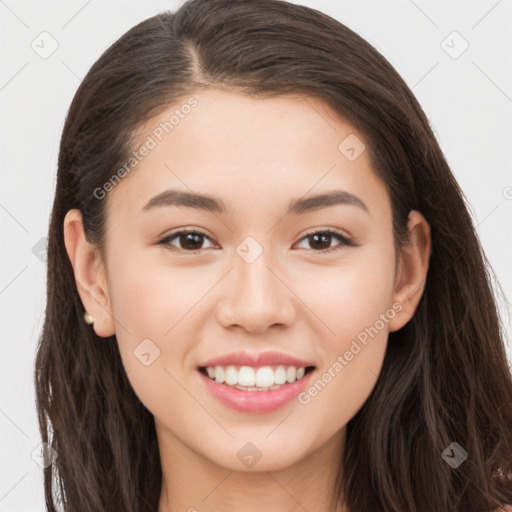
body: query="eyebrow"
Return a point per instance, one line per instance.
(216, 205)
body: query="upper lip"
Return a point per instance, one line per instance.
(244, 358)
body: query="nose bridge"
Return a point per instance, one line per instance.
(254, 281)
(255, 298)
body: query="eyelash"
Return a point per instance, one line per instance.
(345, 241)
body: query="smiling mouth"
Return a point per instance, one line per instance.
(248, 378)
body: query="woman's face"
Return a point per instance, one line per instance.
(265, 276)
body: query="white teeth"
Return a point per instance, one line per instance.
(246, 376)
(280, 375)
(243, 388)
(255, 379)
(219, 374)
(265, 377)
(231, 376)
(291, 374)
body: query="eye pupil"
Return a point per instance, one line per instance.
(192, 238)
(192, 241)
(324, 237)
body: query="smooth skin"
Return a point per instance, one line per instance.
(298, 297)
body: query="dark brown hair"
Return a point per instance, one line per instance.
(445, 376)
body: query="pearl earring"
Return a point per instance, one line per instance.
(88, 318)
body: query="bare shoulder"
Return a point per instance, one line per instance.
(504, 508)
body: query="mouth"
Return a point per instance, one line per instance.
(255, 382)
(255, 379)
(255, 389)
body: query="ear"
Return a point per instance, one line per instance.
(90, 275)
(412, 270)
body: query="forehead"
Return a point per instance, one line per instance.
(249, 150)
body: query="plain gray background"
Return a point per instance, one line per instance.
(465, 92)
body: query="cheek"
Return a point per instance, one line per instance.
(153, 301)
(153, 308)
(352, 296)
(354, 305)
(150, 299)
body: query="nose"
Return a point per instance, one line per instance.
(256, 296)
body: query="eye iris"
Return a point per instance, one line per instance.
(192, 238)
(322, 236)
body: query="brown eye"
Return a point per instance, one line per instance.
(190, 241)
(321, 240)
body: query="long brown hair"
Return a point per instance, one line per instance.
(445, 377)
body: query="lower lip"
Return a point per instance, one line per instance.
(255, 401)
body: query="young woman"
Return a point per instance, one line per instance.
(265, 291)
